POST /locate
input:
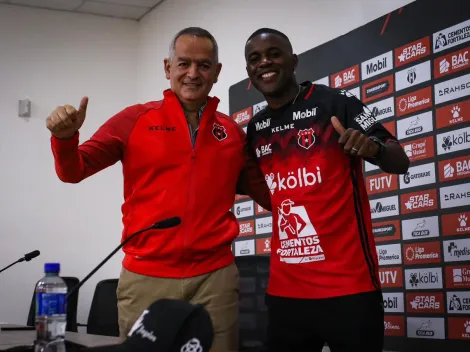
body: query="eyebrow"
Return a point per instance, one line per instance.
(184, 58)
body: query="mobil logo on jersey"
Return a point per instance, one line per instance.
(412, 51)
(391, 277)
(411, 102)
(419, 149)
(454, 169)
(425, 302)
(381, 183)
(418, 201)
(456, 224)
(346, 77)
(298, 238)
(291, 180)
(453, 114)
(451, 63)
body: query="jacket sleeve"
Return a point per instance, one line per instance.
(251, 181)
(74, 162)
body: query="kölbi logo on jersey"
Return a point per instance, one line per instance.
(299, 178)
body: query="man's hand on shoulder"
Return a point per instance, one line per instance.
(66, 120)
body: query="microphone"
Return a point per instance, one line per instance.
(27, 257)
(163, 224)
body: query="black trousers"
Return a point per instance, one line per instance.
(347, 323)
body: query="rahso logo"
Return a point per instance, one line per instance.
(300, 178)
(298, 115)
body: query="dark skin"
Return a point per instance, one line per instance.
(270, 64)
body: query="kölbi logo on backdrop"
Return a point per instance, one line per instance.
(453, 141)
(384, 207)
(426, 278)
(451, 36)
(377, 65)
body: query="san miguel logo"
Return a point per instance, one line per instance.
(219, 132)
(306, 138)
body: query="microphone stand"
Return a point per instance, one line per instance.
(75, 288)
(18, 261)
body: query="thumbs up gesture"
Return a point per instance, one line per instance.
(65, 120)
(354, 142)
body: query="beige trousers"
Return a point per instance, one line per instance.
(218, 291)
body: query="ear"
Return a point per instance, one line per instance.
(217, 72)
(166, 66)
(296, 60)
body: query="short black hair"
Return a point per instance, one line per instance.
(266, 30)
(197, 32)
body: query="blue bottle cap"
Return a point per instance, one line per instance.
(52, 267)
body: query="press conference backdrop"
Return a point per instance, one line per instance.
(411, 67)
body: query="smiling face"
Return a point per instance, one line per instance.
(270, 63)
(193, 69)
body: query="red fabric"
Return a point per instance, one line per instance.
(164, 176)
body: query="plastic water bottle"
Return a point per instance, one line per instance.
(51, 311)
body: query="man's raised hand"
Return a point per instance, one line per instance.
(65, 120)
(354, 142)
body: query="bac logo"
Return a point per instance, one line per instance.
(451, 63)
(346, 77)
(454, 169)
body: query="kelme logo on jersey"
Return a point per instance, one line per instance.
(299, 178)
(263, 124)
(299, 115)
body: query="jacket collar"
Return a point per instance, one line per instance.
(208, 109)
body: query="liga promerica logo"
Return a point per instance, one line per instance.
(411, 102)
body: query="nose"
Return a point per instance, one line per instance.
(265, 61)
(192, 72)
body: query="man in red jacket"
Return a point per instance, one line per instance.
(180, 158)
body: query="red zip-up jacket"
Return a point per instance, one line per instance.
(165, 175)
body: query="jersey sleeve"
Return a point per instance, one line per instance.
(74, 162)
(353, 113)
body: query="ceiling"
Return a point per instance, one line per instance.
(128, 9)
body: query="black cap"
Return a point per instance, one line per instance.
(167, 326)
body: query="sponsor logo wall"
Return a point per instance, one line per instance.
(420, 91)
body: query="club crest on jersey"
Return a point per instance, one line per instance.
(306, 138)
(219, 132)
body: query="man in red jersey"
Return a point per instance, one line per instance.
(323, 285)
(180, 158)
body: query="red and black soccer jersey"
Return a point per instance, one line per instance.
(322, 244)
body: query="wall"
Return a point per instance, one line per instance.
(308, 24)
(60, 57)
(54, 58)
